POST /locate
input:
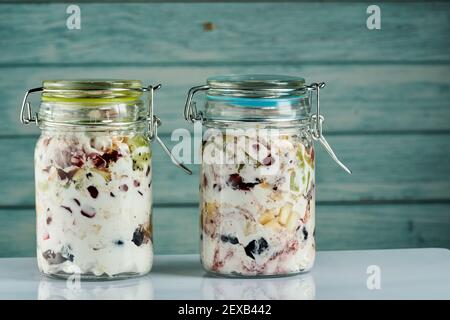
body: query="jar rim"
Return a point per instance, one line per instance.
(256, 82)
(108, 89)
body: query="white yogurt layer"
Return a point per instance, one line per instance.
(258, 216)
(93, 204)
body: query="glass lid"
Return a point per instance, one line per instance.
(262, 86)
(256, 82)
(96, 89)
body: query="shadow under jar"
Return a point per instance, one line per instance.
(93, 178)
(257, 186)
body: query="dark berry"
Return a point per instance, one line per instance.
(305, 233)
(93, 191)
(112, 194)
(224, 238)
(52, 257)
(49, 220)
(233, 240)
(136, 183)
(138, 236)
(88, 211)
(123, 187)
(111, 156)
(237, 183)
(256, 247)
(250, 249)
(118, 242)
(67, 208)
(269, 160)
(140, 193)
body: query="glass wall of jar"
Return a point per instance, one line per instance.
(257, 178)
(93, 178)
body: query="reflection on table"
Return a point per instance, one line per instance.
(132, 289)
(300, 287)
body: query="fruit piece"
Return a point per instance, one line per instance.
(256, 247)
(284, 213)
(123, 187)
(141, 235)
(266, 217)
(88, 211)
(293, 183)
(136, 142)
(211, 208)
(268, 161)
(237, 183)
(93, 191)
(231, 239)
(52, 257)
(273, 224)
(305, 233)
(104, 173)
(292, 221)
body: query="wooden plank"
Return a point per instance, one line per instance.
(245, 32)
(356, 99)
(386, 168)
(338, 228)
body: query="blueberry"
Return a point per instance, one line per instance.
(224, 238)
(250, 249)
(305, 233)
(233, 240)
(118, 242)
(256, 247)
(93, 191)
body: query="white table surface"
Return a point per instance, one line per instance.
(404, 274)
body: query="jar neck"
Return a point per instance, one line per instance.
(92, 114)
(274, 111)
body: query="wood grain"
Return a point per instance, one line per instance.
(244, 32)
(337, 228)
(356, 99)
(386, 168)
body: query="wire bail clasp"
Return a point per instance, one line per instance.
(317, 126)
(154, 122)
(190, 110)
(28, 118)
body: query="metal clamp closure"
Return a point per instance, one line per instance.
(26, 104)
(316, 126)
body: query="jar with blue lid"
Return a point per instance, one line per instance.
(257, 177)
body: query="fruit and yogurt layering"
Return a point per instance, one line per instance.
(256, 221)
(93, 203)
(257, 179)
(93, 178)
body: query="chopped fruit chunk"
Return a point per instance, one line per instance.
(284, 214)
(266, 217)
(93, 191)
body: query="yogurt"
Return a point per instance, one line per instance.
(93, 204)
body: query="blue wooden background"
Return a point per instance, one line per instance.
(387, 104)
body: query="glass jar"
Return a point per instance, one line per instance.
(257, 178)
(93, 178)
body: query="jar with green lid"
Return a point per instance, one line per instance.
(257, 178)
(93, 177)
